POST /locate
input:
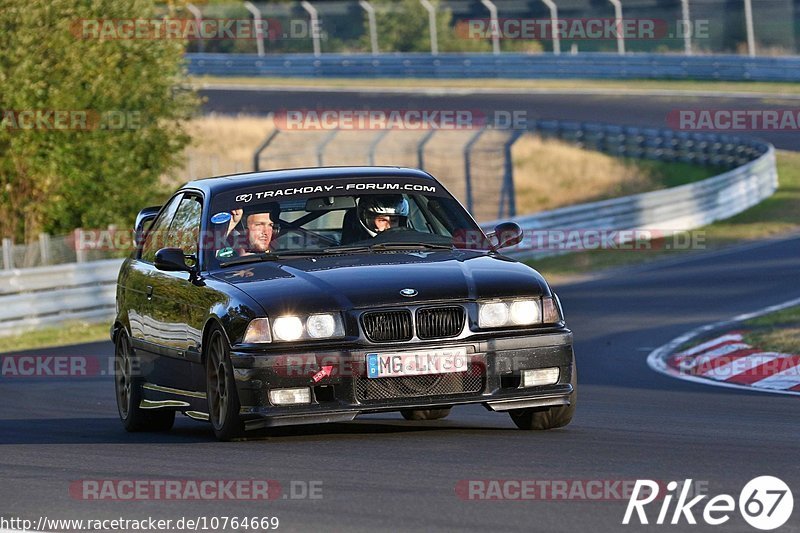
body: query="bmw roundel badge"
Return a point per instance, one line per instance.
(410, 293)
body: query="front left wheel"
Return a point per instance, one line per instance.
(425, 414)
(128, 389)
(223, 399)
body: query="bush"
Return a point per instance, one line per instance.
(54, 179)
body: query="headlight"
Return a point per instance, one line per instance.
(525, 313)
(493, 315)
(258, 331)
(511, 313)
(319, 326)
(288, 328)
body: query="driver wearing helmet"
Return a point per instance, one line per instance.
(381, 213)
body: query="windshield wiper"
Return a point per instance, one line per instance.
(387, 246)
(271, 256)
(252, 258)
(410, 246)
(336, 250)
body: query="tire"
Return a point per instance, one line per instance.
(129, 395)
(221, 393)
(543, 418)
(425, 414)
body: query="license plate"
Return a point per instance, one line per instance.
(381, 365)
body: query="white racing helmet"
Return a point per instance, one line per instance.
(394, 206)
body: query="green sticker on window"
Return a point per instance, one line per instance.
(225, 253)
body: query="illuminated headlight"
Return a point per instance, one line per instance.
(511, 313)
(539, 377)
(258, 331)
(290, 396)
(288, 328)
(525, 313)
(319, 326)
(528, 312)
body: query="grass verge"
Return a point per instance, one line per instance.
(778, 214)
(550, 173)
(776, 88)
(775, 332)
(72, 333)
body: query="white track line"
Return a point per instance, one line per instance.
(656, 360)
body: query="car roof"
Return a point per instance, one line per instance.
(221, 184)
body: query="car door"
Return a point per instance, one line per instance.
(139, 292)
(177, 314)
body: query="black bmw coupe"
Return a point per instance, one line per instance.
(315, 295)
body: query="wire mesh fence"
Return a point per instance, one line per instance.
(390, 26)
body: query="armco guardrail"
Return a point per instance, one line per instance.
(661, 212)
(752, 177)
(506, 65)
(53, 295)
(56, 294)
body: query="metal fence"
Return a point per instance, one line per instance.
(754, 27)
(510, 66)
(53, 295)
(78, 246)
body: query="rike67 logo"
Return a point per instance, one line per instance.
(765, 503)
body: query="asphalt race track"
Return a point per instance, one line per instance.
(622, 109)
(381, 472)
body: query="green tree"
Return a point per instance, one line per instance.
(132, 92)
(403, 27)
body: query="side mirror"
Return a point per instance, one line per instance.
(507, 234)
(172, 260)
(143, 220)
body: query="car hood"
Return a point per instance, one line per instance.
(353, 281)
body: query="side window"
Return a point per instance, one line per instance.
(184, 232)
(157, 234)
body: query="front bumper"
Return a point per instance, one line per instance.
(492, 380)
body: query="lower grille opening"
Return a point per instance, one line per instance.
(470, 381)
(510, 381)
(324, 393)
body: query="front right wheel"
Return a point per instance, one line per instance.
(548, 417)
(223, 399)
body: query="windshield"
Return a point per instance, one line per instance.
(336, 216)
